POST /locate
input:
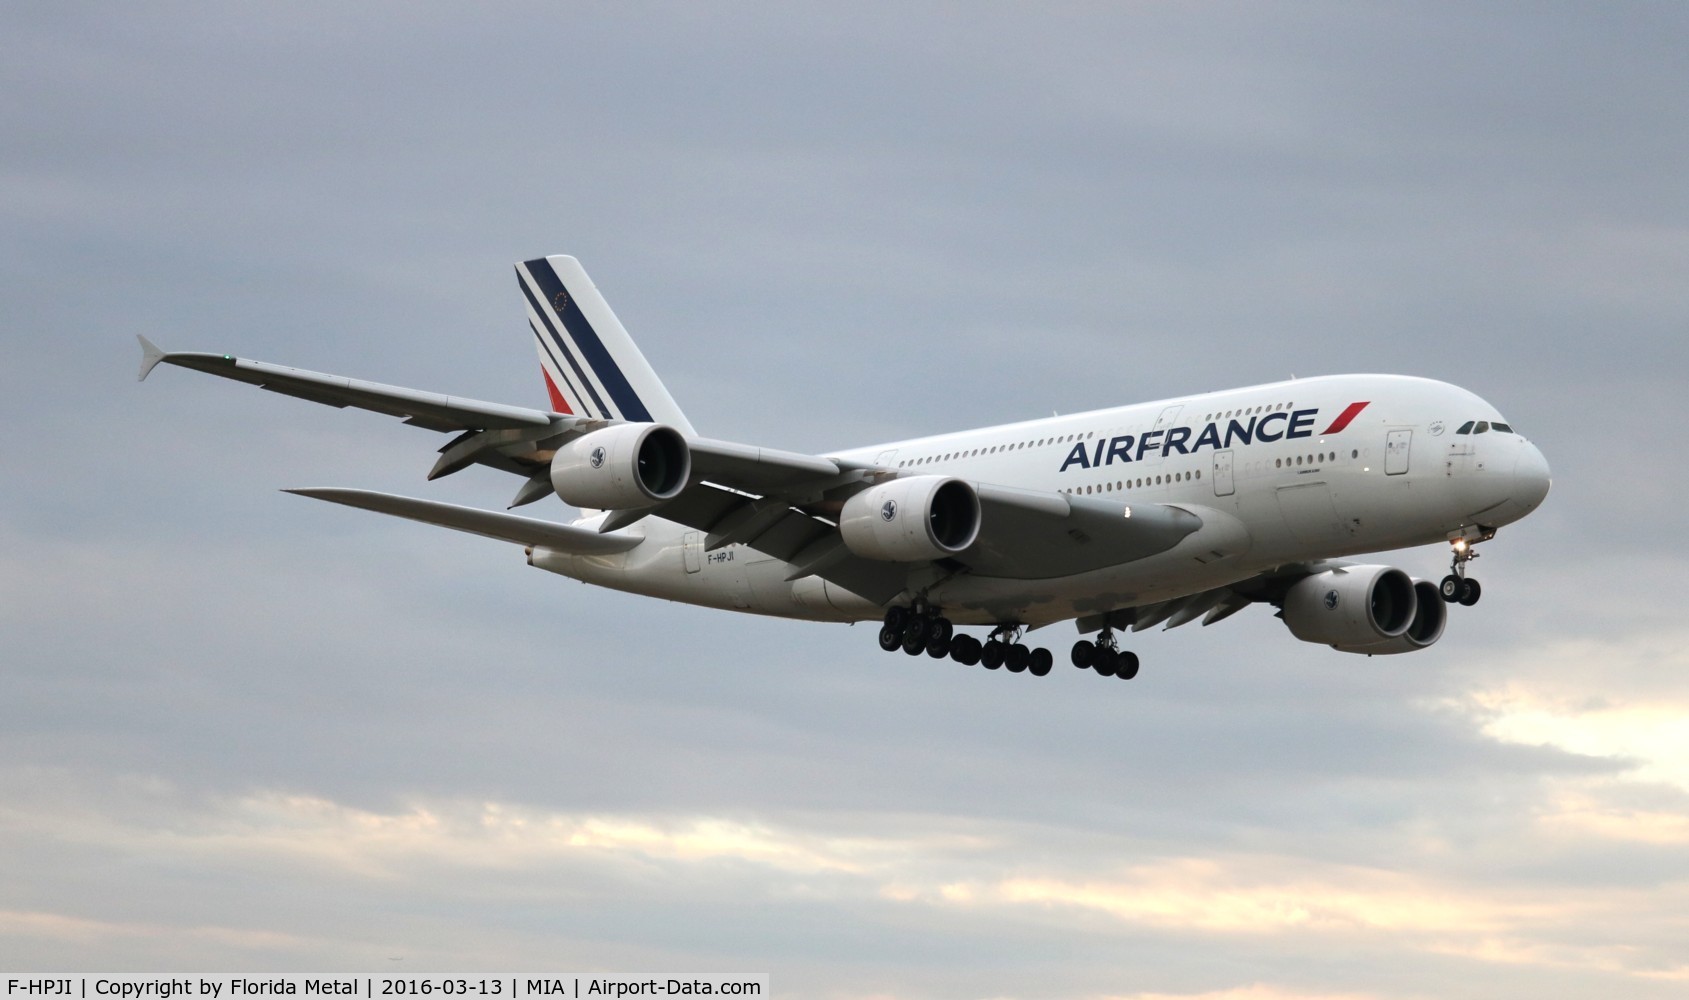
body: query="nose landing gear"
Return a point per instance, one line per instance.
(1457, 587)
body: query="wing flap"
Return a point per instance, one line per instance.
(487, 523)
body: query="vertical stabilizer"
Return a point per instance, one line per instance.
(592, 367)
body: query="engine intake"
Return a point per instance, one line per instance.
(911, 520)
(1429, 617)
(622, 467)
(1351, 606)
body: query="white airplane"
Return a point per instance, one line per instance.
(1155, 514)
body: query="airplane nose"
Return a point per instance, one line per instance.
(1530, 476)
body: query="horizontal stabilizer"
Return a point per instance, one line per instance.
(491, 524)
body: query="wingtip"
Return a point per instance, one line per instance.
(151, 355)
(333, 493)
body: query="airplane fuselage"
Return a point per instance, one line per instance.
(1288, 473)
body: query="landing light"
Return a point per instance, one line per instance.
(1460, 545)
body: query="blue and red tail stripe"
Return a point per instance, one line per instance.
(570, 332)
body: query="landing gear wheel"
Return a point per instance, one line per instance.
(1104, 662)
(915, 636)
(938, 647)
(1040, 662)
(1451, 588)
(942, 627)
(1126, 666)
(992, 654)
(1084, 653)
(896, 618)
(1470, 593)
(964, 649)
(890, 638)
(1016, 657)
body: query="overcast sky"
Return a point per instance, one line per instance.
(244, 731)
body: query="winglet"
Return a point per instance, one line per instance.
(150, 357)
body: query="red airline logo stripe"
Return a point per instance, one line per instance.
(557, 402)
(1342, 421)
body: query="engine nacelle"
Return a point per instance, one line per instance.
(621, 467)
(911, 520)
(1429, 617)
(1351, 606)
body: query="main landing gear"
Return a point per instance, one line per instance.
(1105, 657)
(1457, 587)
(925, 631)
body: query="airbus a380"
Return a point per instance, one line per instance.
(1121, 519)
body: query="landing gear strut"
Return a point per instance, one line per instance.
(1457, 587)
(1105, 657)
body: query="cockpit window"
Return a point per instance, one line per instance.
(1484, 427)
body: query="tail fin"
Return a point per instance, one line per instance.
(592, 367)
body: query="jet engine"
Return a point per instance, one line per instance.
(1429, 617)
(621, 467)
(1352, 606)
(911, 520)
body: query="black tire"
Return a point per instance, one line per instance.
(897, 617)
(1451, 587)
(991, 654)
(938, 647)
(890, 638)
(1040, 662)
(1470, 593)
(1126, 667)
(1016, 657)
(914, 639)
(1084, 652)
(942, 626)
(974, 648)
(1103, 663)
(964, 649)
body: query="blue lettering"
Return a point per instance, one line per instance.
(1076, 457)
(1210, 437)
(1295, 424)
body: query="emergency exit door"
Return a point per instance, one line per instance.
(1396, 446)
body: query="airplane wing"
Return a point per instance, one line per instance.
(1025, 534)
(432, 410)
(514, 439)
(783, 504)
(487, 523)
